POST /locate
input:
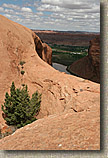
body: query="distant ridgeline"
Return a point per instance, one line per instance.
(73, 38)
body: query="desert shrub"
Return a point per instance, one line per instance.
(22, 63)
(18, 108)
(22, 72)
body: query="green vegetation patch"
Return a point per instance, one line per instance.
(22, 72)
(22, 63)
(18, 109)
(66, 55)
(69, 48)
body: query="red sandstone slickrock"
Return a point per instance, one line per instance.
(89, 66)
(69, 118)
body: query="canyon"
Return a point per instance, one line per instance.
(87, 67)
(69, 118)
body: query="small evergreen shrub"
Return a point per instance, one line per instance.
(22, 63)
(22, 72)
(19, 110)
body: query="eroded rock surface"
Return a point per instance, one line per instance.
(89, 66)
(47, 54)
(69, 116)
(67, 131)
(43, 50)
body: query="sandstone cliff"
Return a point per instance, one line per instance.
(89, 66)
(42, 49)
(69, 116)
(47, 54)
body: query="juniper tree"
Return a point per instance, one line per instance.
(18, 108)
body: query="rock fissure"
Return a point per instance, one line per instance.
(37, 84)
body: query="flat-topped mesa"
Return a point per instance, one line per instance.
(89, 67)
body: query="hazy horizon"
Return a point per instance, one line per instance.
(64, 30)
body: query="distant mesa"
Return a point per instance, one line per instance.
(74, 38)
(44, 31)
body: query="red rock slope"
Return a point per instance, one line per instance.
(68, 131)
(89, 66)
(69, 116)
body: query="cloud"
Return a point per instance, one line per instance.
(50, 8)
(8, 15)
(25, 9)
(12, 6)
(9, 11)
(70, 4)
(40, 13)
(74, 12)
(80, 15)
(1, 9)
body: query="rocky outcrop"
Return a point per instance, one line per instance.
(89, 66)
(47, 54)
(94, 56)
(69, 116)
(43, 50)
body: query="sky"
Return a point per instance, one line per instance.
(62, 15)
